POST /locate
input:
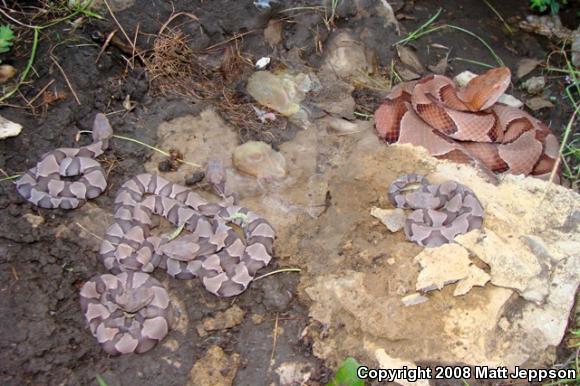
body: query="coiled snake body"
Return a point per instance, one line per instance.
(468, 124)
(129, 311)
(441, 211)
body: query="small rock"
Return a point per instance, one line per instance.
(273, 32)
(257, 318)
(9, 128)
(510, 100)
(7, 72)
(221, 320)
(538, 103)
(414, 299)
(394, 219)
(282, 92)
(294, 373)
(34, 220)
(525, 66)
(534, 85)
(342, 126)
(194, 178)
(215, 368)
(463, 78)
(263, 63)
(346, 56)
(276, 297)
(258, 159)
(165, 166)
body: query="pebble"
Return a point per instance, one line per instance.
(258, 159)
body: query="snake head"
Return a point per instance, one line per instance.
(101, 128)
(134, 299)
(484, 90)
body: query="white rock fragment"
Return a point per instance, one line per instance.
(475, 277)
(440, 266)
(262, 63)
(394, 219)
(9, 128)
(414, 299)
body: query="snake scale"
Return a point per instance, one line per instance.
(128, 311)
(440, 211)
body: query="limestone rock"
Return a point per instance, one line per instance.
(394, 219)
(440, 266)
(258, 159)
(282, 92)
(346, 56)
(413, 299)
(9, 128)
(215, 368)
(221, 320)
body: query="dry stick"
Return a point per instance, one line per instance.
(66, 80)
(134, 45)
(274, 341)
(42, 90)
(123, 30)
(88, 231)
(277, 271)
(105, 45)
(172, 17)
(235, 37)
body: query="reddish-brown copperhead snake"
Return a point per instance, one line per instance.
(468, 124)
(128, 310)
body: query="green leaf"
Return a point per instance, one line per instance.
(101, 381)
(346, 374)
(6, 38)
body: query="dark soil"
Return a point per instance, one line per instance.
(44, 339)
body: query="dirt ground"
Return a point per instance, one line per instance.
(45, 258)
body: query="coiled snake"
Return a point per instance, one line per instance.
(129, 311)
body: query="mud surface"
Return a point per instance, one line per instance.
(46, 255)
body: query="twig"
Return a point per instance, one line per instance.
(505, 24)
(105, 45)
(122, 30)
(129, 139)
(235, 37)
(172, 17)
(42, 90)
(88, 231)
(277, 271)
(72, 90)
(274, 341)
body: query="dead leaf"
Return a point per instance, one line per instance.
(538, 103)
(406, 74)
(440, 67)
(525, 66)
(409, 57)
(273, 32)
